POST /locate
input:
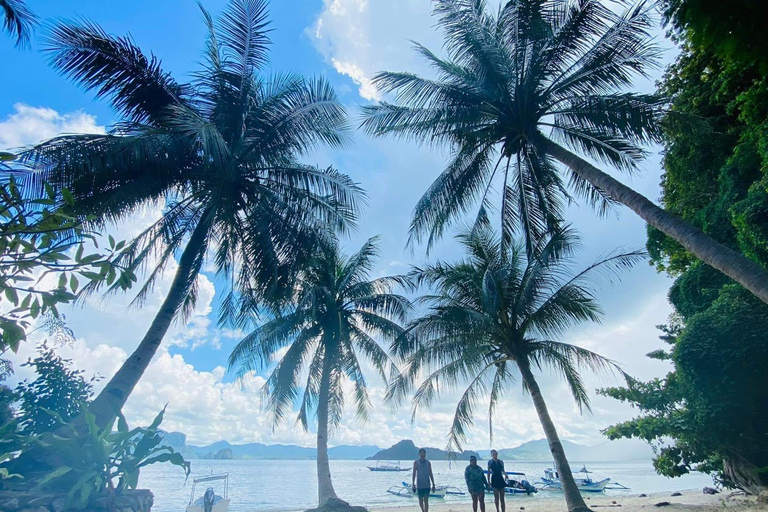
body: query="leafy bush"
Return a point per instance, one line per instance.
(93, 461)
(57, 388)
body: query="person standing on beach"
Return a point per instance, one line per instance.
(422, 475)
(475, 480)
(497, 479)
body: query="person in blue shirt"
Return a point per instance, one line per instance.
(497, 479)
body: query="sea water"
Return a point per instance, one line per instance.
(288, 485)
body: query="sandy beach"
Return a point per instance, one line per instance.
(688, 501)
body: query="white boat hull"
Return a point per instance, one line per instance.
(598, 486)
(406, 491)
(219, 506)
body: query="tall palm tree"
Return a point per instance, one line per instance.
(326, 330)
(517, 89)
(221, 154)
(498, 314)
(18, 20)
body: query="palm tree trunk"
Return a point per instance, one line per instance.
(573, 498)
(325, 491)
(735, 265)
(118, 389)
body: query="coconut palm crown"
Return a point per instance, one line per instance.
(499, 315)
(523, 88)
(221, 154)
(326, 331)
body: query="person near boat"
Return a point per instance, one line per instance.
(420, 479)
(497, 479)
(476, 484)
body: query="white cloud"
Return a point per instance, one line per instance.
(360, 37)
(29, 125)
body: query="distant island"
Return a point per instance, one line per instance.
(406, 450)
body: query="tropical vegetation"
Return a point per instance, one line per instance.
(517, 90)
(326, 331)
(220, 154)
(709, 413)
(37, 238)
(529, 99)
(498, 315)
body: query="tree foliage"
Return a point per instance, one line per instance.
(733, 30)
(714, 405)
(58, 392)
(711, 411)
(43, 259)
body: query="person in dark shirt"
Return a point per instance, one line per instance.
(497, 479)
(475, 480)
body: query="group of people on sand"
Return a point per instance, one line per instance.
(476, 479)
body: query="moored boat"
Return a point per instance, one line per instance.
(516, 483)
(387, 466)
(407, 491)
(585, 483)
(210, 501)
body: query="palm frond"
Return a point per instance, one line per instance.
(18, 20)
(115, 68)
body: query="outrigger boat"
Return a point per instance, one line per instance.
(406, 491)
(551, 482)
(210, 501)
(516, 483)
(387, 466)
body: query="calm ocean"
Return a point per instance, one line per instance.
(285, 485)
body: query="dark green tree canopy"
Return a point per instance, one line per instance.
(57, 393)
(733, 30)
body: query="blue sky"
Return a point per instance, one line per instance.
(347, 41)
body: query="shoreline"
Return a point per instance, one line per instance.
(689, 501)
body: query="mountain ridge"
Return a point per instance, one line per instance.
(406, 449)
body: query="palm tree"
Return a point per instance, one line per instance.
(327, 329)
(221, 153)
(18, 20)
(514, 87)
(498, 314)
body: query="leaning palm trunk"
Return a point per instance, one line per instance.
(735, 265)
(325, 491)
(573, 498)
(119, 388)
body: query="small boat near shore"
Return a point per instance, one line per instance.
(210, 501)
(388, 466)
(585, 483)
(407, 491)
(516, 483)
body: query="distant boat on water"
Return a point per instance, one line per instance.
(387, 466)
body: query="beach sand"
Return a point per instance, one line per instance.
(689, 501)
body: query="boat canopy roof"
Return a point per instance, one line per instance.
(209, 478)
